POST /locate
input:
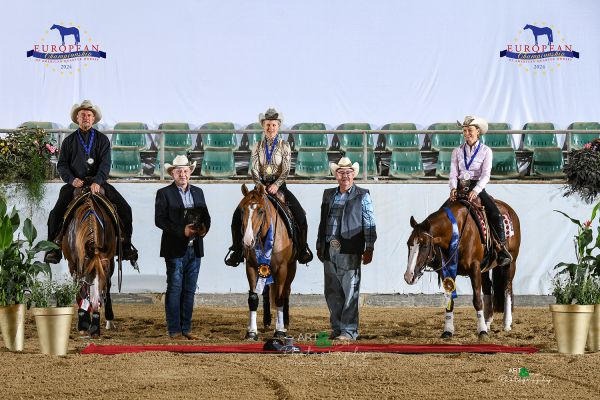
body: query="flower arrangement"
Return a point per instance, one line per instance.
(579, 282)
(25, 159)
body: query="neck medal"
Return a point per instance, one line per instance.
(269, 153)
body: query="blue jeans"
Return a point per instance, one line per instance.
(182, 278)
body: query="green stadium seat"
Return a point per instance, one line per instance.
(497, 140)
(39, 125)
(442, 168)
(504, 164)
(406, 164)
(216, 140)
(312, 163)
(536, 140)
(128, 141)
(445, 140)
(354, 140)
(401, 140)
(310, 140)
(218, 163)
(125, 163)
(547, 163)
(578, 140)
(254, 138)
(356, 155)
(176, 141)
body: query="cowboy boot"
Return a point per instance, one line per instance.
(503, 257)
(129, 253)
(235, 255)
(304, 254)
(54, 256)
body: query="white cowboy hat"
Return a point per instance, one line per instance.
(344, 163)
(178, 162)
(86, 105)
(479, 122)
(270, 114)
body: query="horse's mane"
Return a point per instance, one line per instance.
(89, 236)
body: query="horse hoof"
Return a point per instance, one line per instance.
(279, 334)
(483, 336)
(110, 325)
(507, 328)
(251, 336)
(446, 335)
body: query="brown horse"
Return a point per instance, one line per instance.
(430, 240)
(89, 245)
(258, 214)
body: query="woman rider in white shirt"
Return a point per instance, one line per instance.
(470, 172)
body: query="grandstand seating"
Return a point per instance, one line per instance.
(406, 164)
(547, 162)
(401, 140)
(219, 140)
(451, 139)
(578, 140)
(536, 140)
(497, 140)
(354, 140)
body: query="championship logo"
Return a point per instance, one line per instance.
(66, 49)
(539, 49)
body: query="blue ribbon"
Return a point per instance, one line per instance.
(269, 153)
(539, 56)
(66, 56)
(86, 148)
(450, 266)
(263, 253)
(468, 164)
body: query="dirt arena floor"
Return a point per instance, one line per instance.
(159, 375)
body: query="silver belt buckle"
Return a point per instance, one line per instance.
(335, 244)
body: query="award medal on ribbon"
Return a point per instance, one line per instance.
(465, 180)
(87, 149)
(263, 257)
(269, 154)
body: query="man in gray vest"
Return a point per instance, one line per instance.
(346, 238)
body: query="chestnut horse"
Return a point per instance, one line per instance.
(89, 245)
(430, 240)
(258, 214)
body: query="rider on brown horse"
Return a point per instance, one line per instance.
(85, 156)
(469, 174)
(270, 166)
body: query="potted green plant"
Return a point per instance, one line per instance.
(18, 271)
(574, 287)
(53, 310)
(593, 339)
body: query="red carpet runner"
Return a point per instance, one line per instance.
(307, 349)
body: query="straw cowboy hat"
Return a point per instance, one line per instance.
(344, 163)
(179, 162)
(270, 114)
(475, 121)
(86, 105)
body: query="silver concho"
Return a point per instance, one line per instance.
(90, 161)
(335, 244)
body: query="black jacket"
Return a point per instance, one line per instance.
(169, 216)
(72, 160)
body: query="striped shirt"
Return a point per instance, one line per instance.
(480, 168)
(334, 219)
(280, 162)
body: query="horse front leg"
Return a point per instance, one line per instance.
(96, 302)
(252, 329)
(508, 295)
(488, 305)
(108, 310)
(477, 301)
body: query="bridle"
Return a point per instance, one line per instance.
(262, 230)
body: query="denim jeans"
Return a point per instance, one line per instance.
(182, 278)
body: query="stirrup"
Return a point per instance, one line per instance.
(504, 257)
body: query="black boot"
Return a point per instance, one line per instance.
(235, 255)
(504, 257)
(54, 256)
(304, 254)
(130, 253)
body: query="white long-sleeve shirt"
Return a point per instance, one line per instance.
(479, 170)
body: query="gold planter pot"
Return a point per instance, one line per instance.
(12, 324)
(571, 325)
(53, 327)
(593, 339)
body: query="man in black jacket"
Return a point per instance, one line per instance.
(85, 156)
(181, 243)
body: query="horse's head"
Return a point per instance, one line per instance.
(527, 27)
(255, 215)
(54, 27)
(421, 252)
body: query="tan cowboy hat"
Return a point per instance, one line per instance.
(86, 105)
(178, 162)
(344, 163)
(271, 114)
(479, 122)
